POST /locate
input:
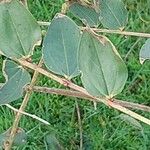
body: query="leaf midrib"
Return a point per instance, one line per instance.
(113, 14)
(18, 36)
(100, 67)
(90, 18)
(7, 97)
(65, 51)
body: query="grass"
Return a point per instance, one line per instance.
(102, 129)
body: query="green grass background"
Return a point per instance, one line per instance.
(102, 129)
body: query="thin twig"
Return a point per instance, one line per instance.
(8, 143)
(43, 23)
(129, 112)
(25, 3)
(60, 80)
(127, 33)
(27, 114)
(64, 8)
(80, 125)
(72, 93)
(132, 47)
(132, 105)
(67, 83)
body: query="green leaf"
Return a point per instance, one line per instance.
(16, 79)
(87, 14)
(52, 143)
(113, 13)
(19, 31)
(145, 52)
(20, 137)
(61, 45)
(131, 121)
(103, 71)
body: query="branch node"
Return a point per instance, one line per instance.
(65, 82)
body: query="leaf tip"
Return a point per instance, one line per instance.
(59, 15)
(142, 60)
(5, 1)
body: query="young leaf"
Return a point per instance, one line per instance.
(86, 14)
(52, 143)
(145, 51)
(16, 78)
(19, 31)
(103, 71)
(20, 137)
(61, 45)
(113, 14)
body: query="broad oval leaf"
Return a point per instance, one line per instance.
(19, 139)
(52, 143)
(16, 79)
(103, 71)
(145, 52)
(19, 31)
(130, 120)
(87, 14)
(61, 45)
(113, 14)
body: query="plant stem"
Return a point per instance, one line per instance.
(80, 124)
(68, 83)
(129, 112)
(64, 8)
(60, 80)
(8, 143)
(78, 94)
(72, 93)
(132, 48)
(25, 3)
(27, 114)
(43, 23)
(126, 33)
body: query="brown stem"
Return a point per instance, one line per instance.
(132, 105)
(127, 33)
(27, 114)
(80, 125)
(64, 8)
(129, 112)
(25, 3)
(8, 143)
(60, 80)
(67, 83)
(72, 93)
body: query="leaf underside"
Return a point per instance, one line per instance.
(16, 79)
(61, 45)
(131, 121)
(113, 13)
(19, 139)
(19, 31)
(103, 71)
(87, 14)
(145, 52)
(52, 143)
